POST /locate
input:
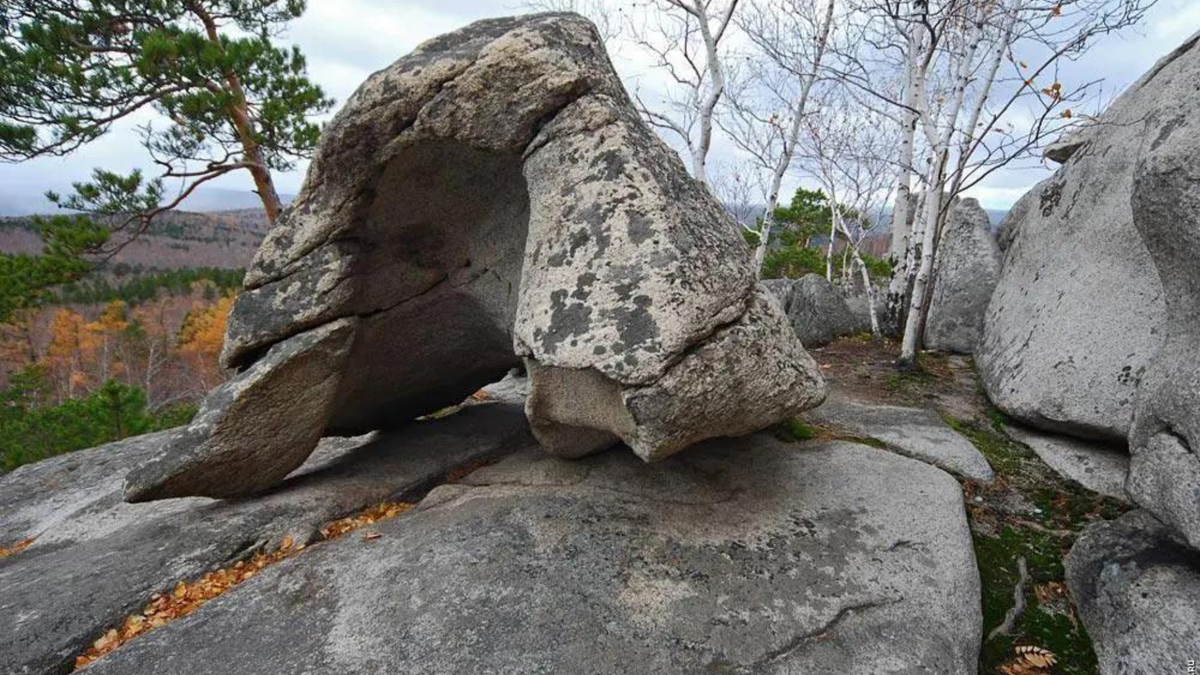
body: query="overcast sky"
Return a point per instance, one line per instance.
(346, 40)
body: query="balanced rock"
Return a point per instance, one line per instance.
(1137, 588)
(817, 311)
(494, 197)
(1078, 311)
(967, 267)
(750, 556)
(1164, 473)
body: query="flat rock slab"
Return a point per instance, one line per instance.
(96, 559)
(747, 555)
(1096, 466)
(1137, 588)
(916, 432)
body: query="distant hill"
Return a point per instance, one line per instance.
(176, 240)
(16, 202)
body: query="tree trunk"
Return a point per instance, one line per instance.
(870, 291)
(239, 117)
(902, 242)
(939, 143)
(789, 144)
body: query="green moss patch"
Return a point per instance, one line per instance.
(1028, 512)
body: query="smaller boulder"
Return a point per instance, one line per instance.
(967, 269)
(1099, 467)
(817, 311)
(1137, 589)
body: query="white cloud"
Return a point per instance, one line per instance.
(345, 40)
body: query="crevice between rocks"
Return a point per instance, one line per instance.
(394, 505)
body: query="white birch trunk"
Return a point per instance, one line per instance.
(870, 291)
(939, 141)
(902, 234)
(716, 74)
(789, 143)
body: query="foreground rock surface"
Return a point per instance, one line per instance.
(968, 266)
(1078, 311)
(1137, 588)
(1098, 467)
(817, 311)
(1164, 474)
(917, 432)
(745, 556)
(491, 197)
(95, 559)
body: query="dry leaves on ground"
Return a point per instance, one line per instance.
(1050, 592)
(186, 597)
(1029, 660)
(372, 515)
(15, 548)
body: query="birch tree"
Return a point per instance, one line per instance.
(789, 39)
(956, 106)
(688, 41)
(846, 149)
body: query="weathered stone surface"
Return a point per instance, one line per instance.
(968, 265)
(96, 559)
(744, 556)
(494, 196)
(817, 311)
(1138, 592)
(1165, 441)
(270, 417)
(860, 306)
(1078, 311)
(1096, 466)
(706, 394)
(916, 432)
(514, 388)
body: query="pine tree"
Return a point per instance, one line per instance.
(230, 98)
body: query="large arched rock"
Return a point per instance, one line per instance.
(489, 198)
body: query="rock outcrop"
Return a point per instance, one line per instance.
(1164, 473)
(95, 560)
(748, 555)
(916, 432)
(816, 310)
(1099, 467)
(967, 268)
(494, 197)
(1137, 588)
(1078, 311)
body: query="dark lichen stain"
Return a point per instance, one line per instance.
(639, 226)
(1051, 196)
(577, 240)
(635, 325)
(610, 165)
(583, 286)
(566, 321)
(1165, 132)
